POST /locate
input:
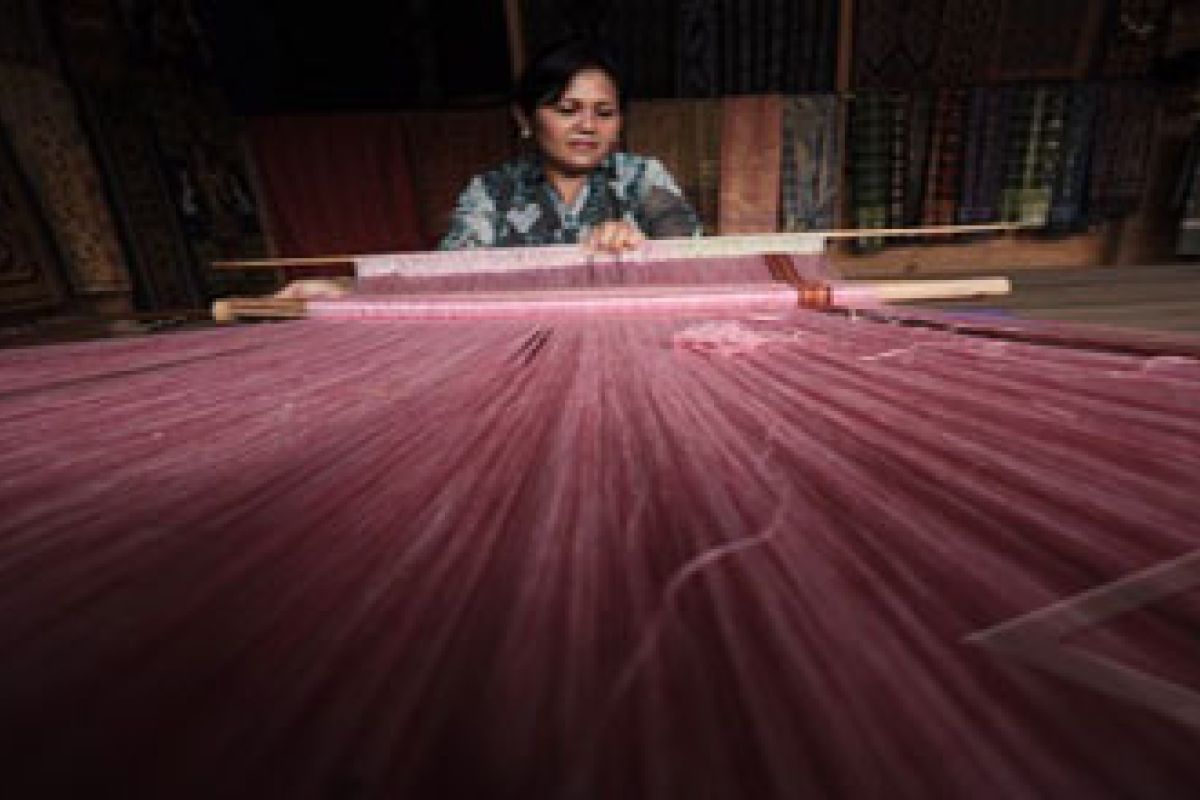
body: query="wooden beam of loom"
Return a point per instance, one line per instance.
(808, 295)
(656, 248)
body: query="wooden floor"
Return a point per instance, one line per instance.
(1152, 297)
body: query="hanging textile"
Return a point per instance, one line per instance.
(870, 161)
(29, 266)
(1135, 32)
(1032, 154)
(750, 164)
(778, 45)
(697, 48)
(750, 161)
(967, 44)
(1037, 40)
(810, 165)
(447, 149)
(899, 144)
(983, 159)
(337, 184)
(1187, 200)
(1068, 206)
(1125, 122)
(686, 136)
(896, 43)
(644, 35)
(920, 114)
(702, 48)
(39, 113)
(202, 155)
(161, 265)
(945, 164)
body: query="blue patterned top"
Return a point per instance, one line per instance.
(515, 205)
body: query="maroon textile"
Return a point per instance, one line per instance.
(514, 559)
(336, 184)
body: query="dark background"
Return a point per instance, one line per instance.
(273, 56)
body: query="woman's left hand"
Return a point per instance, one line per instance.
(614, 236)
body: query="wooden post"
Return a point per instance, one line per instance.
(516, 37)
(845, 63)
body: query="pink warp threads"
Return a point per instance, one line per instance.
(672, 287)
(504, 559)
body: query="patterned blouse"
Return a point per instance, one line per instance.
(515, 204)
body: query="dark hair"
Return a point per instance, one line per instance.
(553, 67)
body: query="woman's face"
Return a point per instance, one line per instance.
(577, 132)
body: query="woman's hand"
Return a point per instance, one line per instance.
(614, 237)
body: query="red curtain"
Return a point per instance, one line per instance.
(337, 184)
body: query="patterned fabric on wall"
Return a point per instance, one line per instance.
(39, 112)
(1188, 200)
(645, 35)
(944, 174)
(1134, 34)
(896, 43)
(901, 148)
(698, 73)
(1032, 153)
(702, 48)
(983, 160)
(871, 126)
(1125, 123)
(1037, 40)
(967, 45)
(450, 148)
(778, 45)
(920, 127)
(686, 136)
(1069, 200)
(161, 265)
(28, 259)
(810, 163)
(202, 157)
(750, 152)
(1184, 30)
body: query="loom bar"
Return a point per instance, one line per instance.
(414, 263)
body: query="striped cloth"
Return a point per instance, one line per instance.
(983, 165)
(810, 163)
(686, 136)
(751, 128)
(945, 164)
(1032, 154)
(870, 161)
(1188, 200)
(1068, 210)
(920, 114)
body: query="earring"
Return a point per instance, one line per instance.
(526, 133)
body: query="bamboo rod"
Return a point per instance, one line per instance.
(774, 239)
(850, 292)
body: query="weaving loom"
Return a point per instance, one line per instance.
(526, 540)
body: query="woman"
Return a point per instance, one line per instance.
(576, 187)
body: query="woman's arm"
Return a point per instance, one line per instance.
(663, 211)
(473, 222)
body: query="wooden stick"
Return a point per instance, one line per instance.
(851, 292)
(235, 308)
(950, 289)
(770, 241)
(516, 37)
